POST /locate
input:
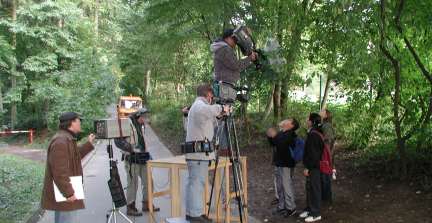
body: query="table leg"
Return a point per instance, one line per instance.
(150, 191)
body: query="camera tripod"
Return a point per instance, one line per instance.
(228, 124)
(116, 189)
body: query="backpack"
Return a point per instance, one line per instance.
(298, 151)
(325, 162)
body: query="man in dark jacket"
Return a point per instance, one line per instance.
(64, 161)
(284, 141)
(135, 156)
(313, 149)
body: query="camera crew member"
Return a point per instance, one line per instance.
(135, 156)
(227, 67)
(199, 150)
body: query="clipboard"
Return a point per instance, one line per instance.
(77, 185)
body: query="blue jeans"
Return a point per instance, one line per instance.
(198, 171)
(66, 216)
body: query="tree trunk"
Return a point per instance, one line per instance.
(1, 101)
(284, 97)
(96, 19)
(326, 92)
(148, 83)
(400, 147)
(269, 105)
(13, 71)
(277, 101)
(293, 52)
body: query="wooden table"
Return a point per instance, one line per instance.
(177, 163)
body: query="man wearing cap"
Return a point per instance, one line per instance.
(64, 161)
(227, 67)
(136, 155)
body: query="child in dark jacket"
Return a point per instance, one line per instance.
(283, 141)
(314, 146)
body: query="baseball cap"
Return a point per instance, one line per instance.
(67, 116)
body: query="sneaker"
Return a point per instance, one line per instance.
(200, 219)
(313, 219)
(304, 214)
(290, 213)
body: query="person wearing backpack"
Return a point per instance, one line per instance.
(329, 140)
(313, 151)
(284, 141)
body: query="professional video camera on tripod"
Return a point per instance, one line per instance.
(111, 129)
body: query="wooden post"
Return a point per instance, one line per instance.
(31, 136)
(175, 192)
(245, 187)
(227, 194)
(150, 191)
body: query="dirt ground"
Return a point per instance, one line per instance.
(357, 196)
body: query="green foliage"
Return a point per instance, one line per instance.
(60, 68)
(20, 187)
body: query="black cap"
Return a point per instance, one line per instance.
(67, 116)
(227, 33)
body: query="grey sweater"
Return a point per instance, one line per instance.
(200, 125)
(227, 67)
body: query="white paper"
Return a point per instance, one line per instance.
(77, 186)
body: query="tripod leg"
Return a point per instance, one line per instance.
(125, 217)
(110, 217)
(213, 185)
(235, 156)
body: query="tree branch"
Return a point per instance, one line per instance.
(408, 44)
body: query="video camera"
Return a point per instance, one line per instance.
(246, 43)
(227, 93)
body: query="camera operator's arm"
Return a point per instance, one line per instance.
(211, 111)
(230, 60)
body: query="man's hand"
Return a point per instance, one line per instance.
(271, 132)
(185, 110)
(306, 172)
(227, 109)
(253, 56)
(91, 138)
(71, 199)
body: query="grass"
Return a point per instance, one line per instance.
(21, 183)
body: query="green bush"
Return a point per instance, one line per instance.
(20, 187)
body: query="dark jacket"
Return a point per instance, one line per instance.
(227, 67)
(282, 155)
(63, 161)
(313, 150)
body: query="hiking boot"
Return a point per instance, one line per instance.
(304, 214)
(200, 219)
(131, 210)
(313, 219)
(146, 209)
(289, 213)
